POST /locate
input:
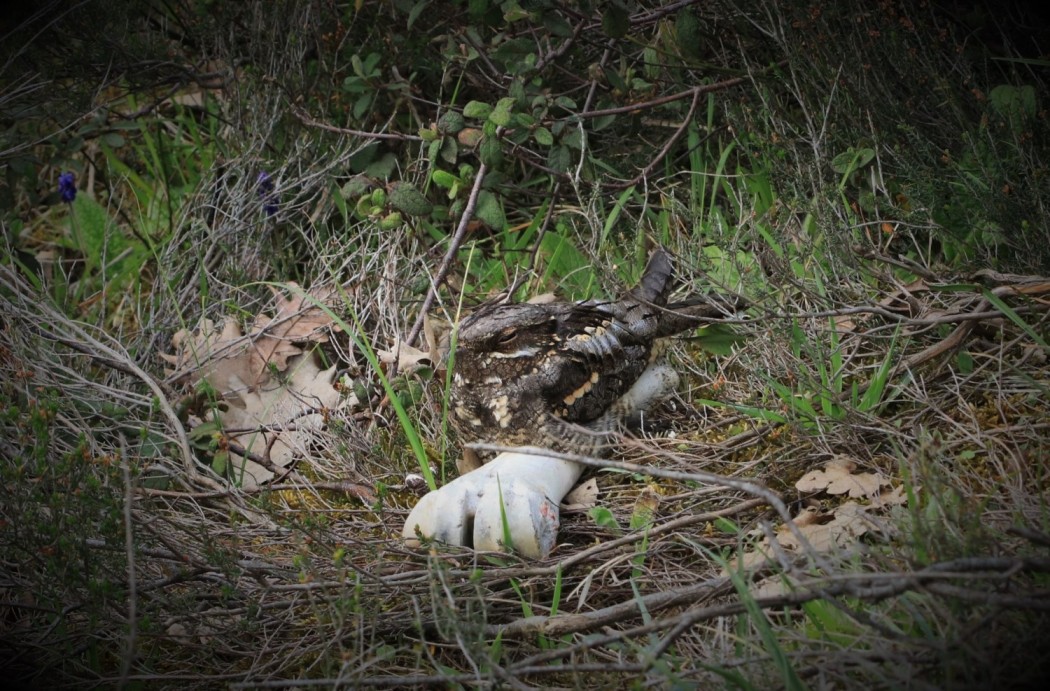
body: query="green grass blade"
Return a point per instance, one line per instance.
(1014, 317)
(359, 338)
(789, 676)
(873, 396)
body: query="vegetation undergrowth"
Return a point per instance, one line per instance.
(224, 224)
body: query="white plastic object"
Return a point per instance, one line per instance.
(467, 510)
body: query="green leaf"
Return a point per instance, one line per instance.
(477, 110)
(113, 140)
(1014, 101)
(573, 139)
(443, 178)
(490, 152)
(407, 199)
(718, 339)
(604, 518)
(557, 25)
(543, 136)
(565, 102)
(354, 187)
(615, 79)
(203, 431)
(688, 30)
(852, 159)
(382, 168)
(356, 66)
(601, 122)
(559, 159)
(363, 206)
(362, 105)
(477, 8)
(615, 20)
(489, 211)
(501, 114)
(414, 13)
(219, 462)
(450, 123)
(449, 149)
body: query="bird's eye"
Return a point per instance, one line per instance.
(507, 337)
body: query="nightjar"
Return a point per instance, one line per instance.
(556, 375)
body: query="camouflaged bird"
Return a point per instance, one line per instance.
(555, 375)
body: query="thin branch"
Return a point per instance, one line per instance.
(310, 121)
(453, 247)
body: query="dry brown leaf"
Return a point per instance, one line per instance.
(902, 298)
(838, 478)
(298, 320)
(890, 497)
(284, 405)
(773, 586)
(268, 350)
(193, 99)
(752, 559)
(848, 522)
(844, 323)
(220, 358)
(583, 497)
(824, 532)
(408, 358)
(232, 364)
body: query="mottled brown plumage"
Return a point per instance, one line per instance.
(555, 375)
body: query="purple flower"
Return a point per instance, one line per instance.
(67, 187)
(267, 194)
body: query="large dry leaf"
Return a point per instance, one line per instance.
(219, 357)
(298, 320)
(230, 360)
(824, 532)
(408, 358)
(468, 462)
(903, 298)
(848, 522)
(838, 478)
(890, 497)
(645, 507)
(431, 336)
(268, 350)
(773, 586)
(270, 417)
(276, 421)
